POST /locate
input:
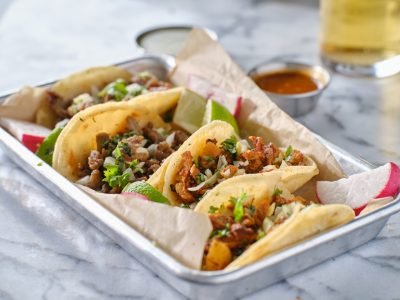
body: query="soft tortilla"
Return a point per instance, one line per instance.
(301, 225)
(292, 176)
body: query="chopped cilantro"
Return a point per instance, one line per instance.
(200, 178)
(252, 209)
(221, 232)
(230, 145)
(114, 178)
(185, 205)
(288, 151)
(212, 209)
(208, 158)
(238, 210)
(277, 192)
(134, 166)
(117, 90)
(40, 164)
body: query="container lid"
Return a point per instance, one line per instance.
(167, 39)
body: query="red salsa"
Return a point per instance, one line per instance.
(286, 82)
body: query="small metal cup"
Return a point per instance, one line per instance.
(179, 41)
(295, 104)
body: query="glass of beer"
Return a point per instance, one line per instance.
(361, 37)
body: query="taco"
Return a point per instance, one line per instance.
(107, 146)
(93, 86)
(215, 153)
(253, 216)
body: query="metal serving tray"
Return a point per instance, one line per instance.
(201, 284)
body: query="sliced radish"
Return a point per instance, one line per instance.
(32, 142)
(359, 189)
(29, 134)
(136, 195)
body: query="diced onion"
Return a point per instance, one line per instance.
(222, 163)
(152, 149)
(109, 161)
(170, 139)
(267, 224)
(208, 173)
(268, 168)
(210, 181)
(242, 146)
(130, 172)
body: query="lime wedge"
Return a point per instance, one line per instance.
(216, 111)
(147, 190)
(190, 111)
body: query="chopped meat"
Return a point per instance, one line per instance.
(95, 160)
(296, 158)
(219, 221)
(153, 168)
(133, 125)
(228, 172)
(152, 134)
(163, 151)
(58, 105)
(208, 162)
(183, 178)
(255, 159)
(95, 179)
(101, 139)
(179, 138)
(194, 171)
(240, 236)
(273, 156)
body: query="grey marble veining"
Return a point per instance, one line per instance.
(47, 251)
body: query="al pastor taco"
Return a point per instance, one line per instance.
(253, 216)
(215, 153)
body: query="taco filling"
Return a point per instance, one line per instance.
(132, 155)
(241, 221)
(118, 90)
(231, 158)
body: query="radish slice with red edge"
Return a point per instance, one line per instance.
(357, 190)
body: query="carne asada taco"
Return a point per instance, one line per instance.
(93, 86)
(216, 153)
(253, 216)
(107, 146)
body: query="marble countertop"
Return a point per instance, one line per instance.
(47, 251)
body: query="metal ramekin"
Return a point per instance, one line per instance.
(141, 35)
(295, 104)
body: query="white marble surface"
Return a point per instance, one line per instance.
(47, 251)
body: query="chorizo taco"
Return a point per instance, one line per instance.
(253, 216)
(107, 146)
(215, 153)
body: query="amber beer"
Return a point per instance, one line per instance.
(359, 32)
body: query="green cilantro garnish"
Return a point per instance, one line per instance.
(200, 178)
(238, 210)
(40, 164)
(277, 192)
(184, 205)
(117, 90)
(212, 209)
(134, 166)
(230, 145)
(288, 151)
(208, 158)
(114, 178)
